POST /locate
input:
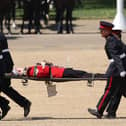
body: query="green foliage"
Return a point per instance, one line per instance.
(87, 4)
(95, 9)
(89, 9)
(96, 13)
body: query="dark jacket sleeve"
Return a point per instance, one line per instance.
(7, 59)
(8, 62)
(1, 62)
(114, 48)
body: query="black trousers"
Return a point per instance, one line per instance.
(3, 102)
(113, 86)
(71, 73)
(116, 97)
(5, 87)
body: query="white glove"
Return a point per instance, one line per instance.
(14, 71)
(123, 74)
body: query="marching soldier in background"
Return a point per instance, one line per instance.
(31, 13)
(36, 16)
(116, 71)
(6, 63)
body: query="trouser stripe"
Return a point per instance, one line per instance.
(105, 94)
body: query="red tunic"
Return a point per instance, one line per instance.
(40, 72)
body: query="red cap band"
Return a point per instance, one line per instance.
(105, 27)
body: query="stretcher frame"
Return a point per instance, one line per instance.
(51, 79)
(51, 88)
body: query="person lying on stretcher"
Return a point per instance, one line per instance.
(47, 70)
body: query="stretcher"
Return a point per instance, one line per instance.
(51, 88)
(90, 79)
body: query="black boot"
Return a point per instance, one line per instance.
(27, 108)
(95, 113)
(5, 111)
(110, 116)
(0, 115)
(4, 106)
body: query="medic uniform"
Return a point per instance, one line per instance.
(114, 49)
(5, 84)
(3, 101)
(120, 89)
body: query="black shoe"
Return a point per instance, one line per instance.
(5, 111)
(94, 112)
(0, 115)
(27, 109)
(110, 116)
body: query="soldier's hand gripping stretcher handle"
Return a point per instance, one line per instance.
(48, 72)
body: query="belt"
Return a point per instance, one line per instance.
(123, 55)
(5, 50)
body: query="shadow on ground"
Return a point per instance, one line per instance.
(59, 118)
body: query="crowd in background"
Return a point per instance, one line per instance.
(32, 11)
(35, 11)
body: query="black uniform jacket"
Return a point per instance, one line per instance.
(1, 62)
(115, 50)
(7, 59)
